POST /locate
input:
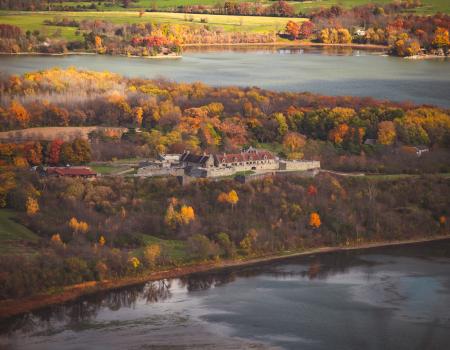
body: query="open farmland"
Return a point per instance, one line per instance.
(35, 21)
(428, 6)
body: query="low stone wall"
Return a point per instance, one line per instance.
(299, 165)
(151, 171)
(219, 172)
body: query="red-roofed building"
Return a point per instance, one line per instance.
(70, 171)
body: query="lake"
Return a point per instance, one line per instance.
(324, 71)
(382, 298)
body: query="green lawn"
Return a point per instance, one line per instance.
(175, 249)
(14, 237)
(35, 21)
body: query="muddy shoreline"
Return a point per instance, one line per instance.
(13, 307)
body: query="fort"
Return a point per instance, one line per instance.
(249, 160)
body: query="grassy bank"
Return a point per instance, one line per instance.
(12, 307)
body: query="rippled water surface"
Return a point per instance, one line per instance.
(328, 72)
(386, 298)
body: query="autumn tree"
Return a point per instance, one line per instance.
(134, 262)
(183, 216)
(56, 239)
(306, 29)
(293, 143)
(292, 29)
(338, 133)
(32, 206)
(386, 133)
(78, 226)
(151, 254)
(187, 214)
(54, 151)
(7, 184)
(19, 114)
(441, 38)
(248, 243)
(228, 197)
(314, 220)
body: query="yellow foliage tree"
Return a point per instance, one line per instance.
(441, 38)
(101, 241)
(78, 226)
(134, 262)
(152, 253)
(32, 206)
(174, 217)
(187, 214)
(314, 220)
(293, 142)
(138, 115)
(248, 243)
(230, 197)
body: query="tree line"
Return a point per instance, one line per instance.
(406, 34)
(117, 227)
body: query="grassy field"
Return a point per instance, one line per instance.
(35, 21)
(175, 249)
(14, 237)
(429, 6)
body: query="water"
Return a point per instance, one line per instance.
(335, 72)
(385, 298)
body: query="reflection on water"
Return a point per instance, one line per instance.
(397, 297)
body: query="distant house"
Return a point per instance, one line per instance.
(360, 32)
(370, 142)
(70, 171)
(421, 150)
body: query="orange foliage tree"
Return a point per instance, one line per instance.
(314, 220)
(32, 206)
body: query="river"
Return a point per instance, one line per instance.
(382, 298)
(324, 71)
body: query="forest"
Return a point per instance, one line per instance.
(406, 34)
(345, 133)
(116, 227)
(113, 227)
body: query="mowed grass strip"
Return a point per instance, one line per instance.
(35, 21)
(14, 237)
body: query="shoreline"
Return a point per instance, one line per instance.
(200, 45)
(83, 53)
(293, 43)
(14, 307)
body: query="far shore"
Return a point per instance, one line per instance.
(243, 45)
(294, 43)
(13, 307)
(83, 53)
